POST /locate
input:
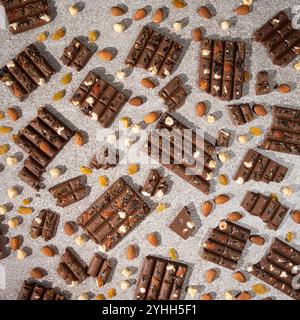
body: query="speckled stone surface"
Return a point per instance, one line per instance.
(96, 15)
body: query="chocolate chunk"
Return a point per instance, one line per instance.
(182, 224)
(155, 185)
(107, 157)
(240, 114)
(100, 268)
(223, 139)
(262, 83)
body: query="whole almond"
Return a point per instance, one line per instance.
(151, 117)
(69, 228)
(79, 139)
(148, 83)
(204, 12)
(12, 114)
(242, 10)
(221, 199)
(15, 243)
(258, 240)
(117, 11)
(105, 55)
(131, 252)
(197, 34)
(37, 273)
(210, 275)
(244, 295)
(296, 216)
(158, 16)
(206, 296)
(200, 109)
(239, 276)
(152, 239)
(260, 110)
(234, 216)
(48, 251)
(140, 14)
(206, 208)
(136, 101)
(283, 88)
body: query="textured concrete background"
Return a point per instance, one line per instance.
(96, 15)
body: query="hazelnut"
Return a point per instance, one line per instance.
(12, 193)
(297, 66)
(287, 191)
(55, 172)
(127, 272)
(225, 25)
(3, 210)
(69, 228)
(73, 10)
(243, 139)
(111, 138)
(229, 295)
(21, 254)
(119, 27)
(177, 26)
(192, 291)
(211, 118)
(223, 156)
(11, 161)
(136, 128)
(125, 284)
(81, 240)
(121, 74)
(13, 223)
(247, 2)
(83, 296)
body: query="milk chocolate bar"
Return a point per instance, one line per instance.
(262, 83)
(160, 279)
(270, 210)
(155, 185)
(154, 52)
(100, 268)
(70, 191)
(225, 244)
(173, 94)
(279, 37)
(240, 114)
(77, 54)
(223, 139)
(258, 167)
(182, 224)
(26, 72)
(279, 267)
(284, 134)
(98, 99)
(221, 71)
(107, 157)
(113, 215)
(24, 15)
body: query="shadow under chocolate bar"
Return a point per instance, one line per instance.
(160, 279)
(280, 38)
(271, 211)
(113, 215)
(279, 268)
(225, 244)
(26, 15)
(98, 99)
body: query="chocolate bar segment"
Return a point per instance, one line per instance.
(182, 224)
(154, 52)
(262, 83)
(221, 71)
(223, 139)
(26, 72)
(160, 279)
(279, 268)
(240, 114)
(268, 209)
(225, 244)
(279, 37)
(107, 157)
(100, 268)
(98, 99)
(155, 185)
(116, 212)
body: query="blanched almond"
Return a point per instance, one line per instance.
(140, 14)
(158, 16)
(105, 55)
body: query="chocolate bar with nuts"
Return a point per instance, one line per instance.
(279, 268)
(37, 291)
(113, 215)
(258, 167)
(225, 244)
(98, 99)
(100, 268)
(262, 83)
(24, 15)
(269, 209)
(77, 54)
(182, 224)
(223, 139)
(154, 52)
(240, 114)
(160, 279)
(71, 269)
(42, 139)
(284, 134)
(26, 72)
(221, 71)
(44, 225)
(280, 39)
(155, 185)
(107, 157)
(173, 94)
(70, 191)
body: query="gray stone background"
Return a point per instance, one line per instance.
(96, 15)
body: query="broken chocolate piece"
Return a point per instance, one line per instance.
(262, 83)
(100, 268)
(223, 139)
(155, 185)
(182, 224)
(240, 114)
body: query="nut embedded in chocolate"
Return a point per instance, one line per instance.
(155, 185)
(182, 224)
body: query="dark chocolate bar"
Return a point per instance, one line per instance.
(107, 157)
(270, 210)
(262, 83)
(173, 94)
(98, 99)
(221, 71)
(258, 167)
(26, 72)
(155, 185)
(44, 225)
(182, 224)
(280, 39)
(2, 239)
(154, 52)
(284, 134)
(77, 54)
(225, 244)
(160, 279)
(42, 139)
(223, 139)
(116, 212)
(240, 114)
(70, 191)
(24, 15)
(100, 268)
(279, 268)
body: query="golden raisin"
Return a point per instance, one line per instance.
(111, 293)
(5, 130)
(85, 170)
(103, 181)
(41, 37)
(100, 296)
(173, 254)
(2, 115)
(179, 4)
(25, 210)
(133, 168)
(289, 236)
(4, 148)
(58, 95)
(255, 131)
(223, 180)
(274, 196)
(161, 207)
(26, 201)
(93, 35)
(259, 289)
(246, 76)
(126, 122)
(58, 34)
(66, 79)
